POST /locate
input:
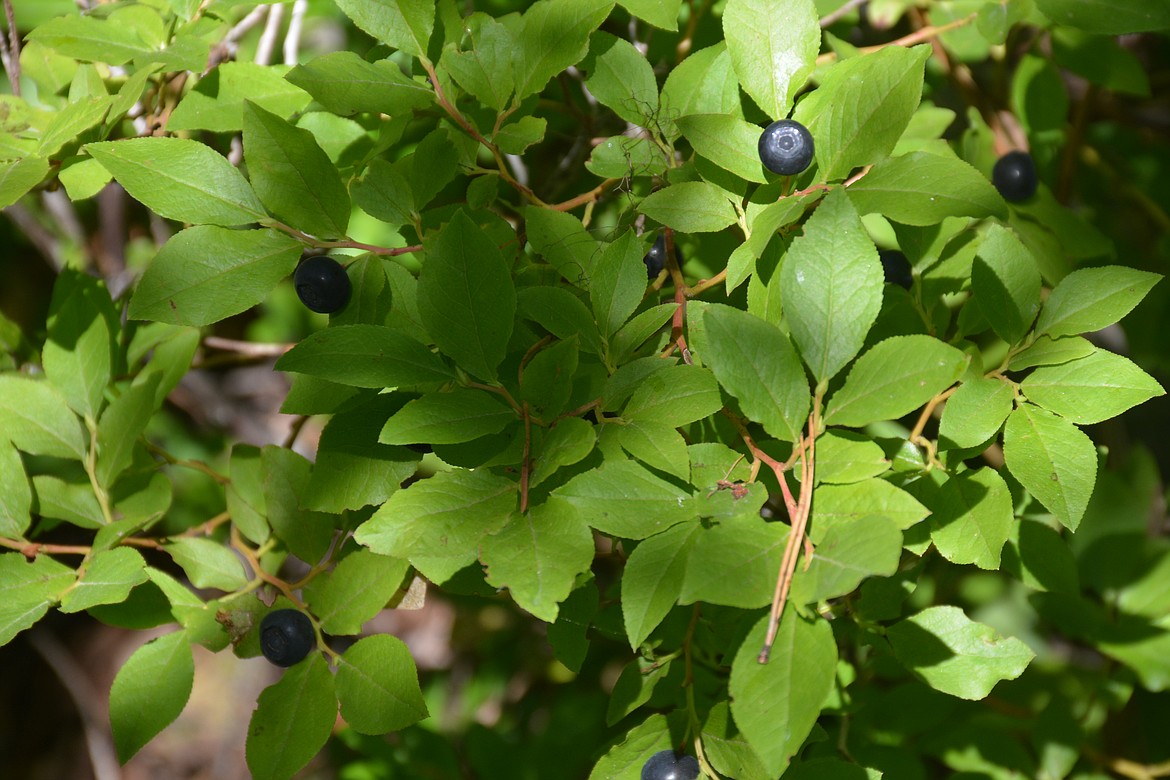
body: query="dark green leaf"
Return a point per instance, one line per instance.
(150, 691)
(894, 378)
(355, 591)
(924, 189)
(538, 556)
(35, 417)
(653, 580)
(292, 720)
(776, 704)
(180, 179)
(447, 418)
(623, 499)
(831, 287)
(956, 655)
(205, 274)
(292, 176)
(346, 84)
(1093, 298)
(377, 685)
(1091, 389)
(1053, 460)
(774, 49)
(690, 207)
(401, 24)
(438, 523)
(466, 297)
(365, 356)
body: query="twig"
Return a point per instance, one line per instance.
(10, 49)
(248, 348)
(830, 18)
(292, 39)
(267, 42)
(918, 36)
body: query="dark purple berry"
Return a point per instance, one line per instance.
(1014, 175)
(668, 765)
(786, 147)
(322, 284)
(896, 268)
(655, 259)
(286, 636)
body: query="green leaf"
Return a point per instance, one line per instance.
(1091, 389)
(377, 685)
(353, 469)
(547, 381)
(774, 49)
(616, 286)
(924, 189)
(108, 578)
(690, 207)
(893, 378)
(1053, 460)
(205, 274)
(486, 69)
(1040, 558)
(634, 687)
(568, 442)
(15, 493)
(384, 193)
(70, 122)
(553, 35)
(849, 551)
(831, 287)
(439, 522)
(660, 13)
(538, 556)
(653, 579)
(727, 141)
(756, 363)
(113, 40)
(561, 313)
(1006, 283)
(1093, 298)
(848, 456)
(745, 544)
(20, 176)
(245, 493)
(862, 107)
(836, 504)
(1106, 18)
(292, 720)
(676, 395)
(71, 499)
(286, 480)
(623, 499)
(123, 421)
(401, 24)
(515, 137)
(27, 590)
(776, 704)
(447, 418)
(564, 243)
(208, 564)
(78, 353)
(216, 103)
(1047, 351)
(625, 760)
(365, 356)
(149, 691)
(656, 444)
(355, 591)
(292, 176)
(620, 77)
(972, 518)
(726, 748)
(956, 655)
(35, 418)
(180, 179)
(346, 84)
(703, 83)
(466, 297)
(975, 413)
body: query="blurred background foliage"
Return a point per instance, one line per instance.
(1096, 111)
